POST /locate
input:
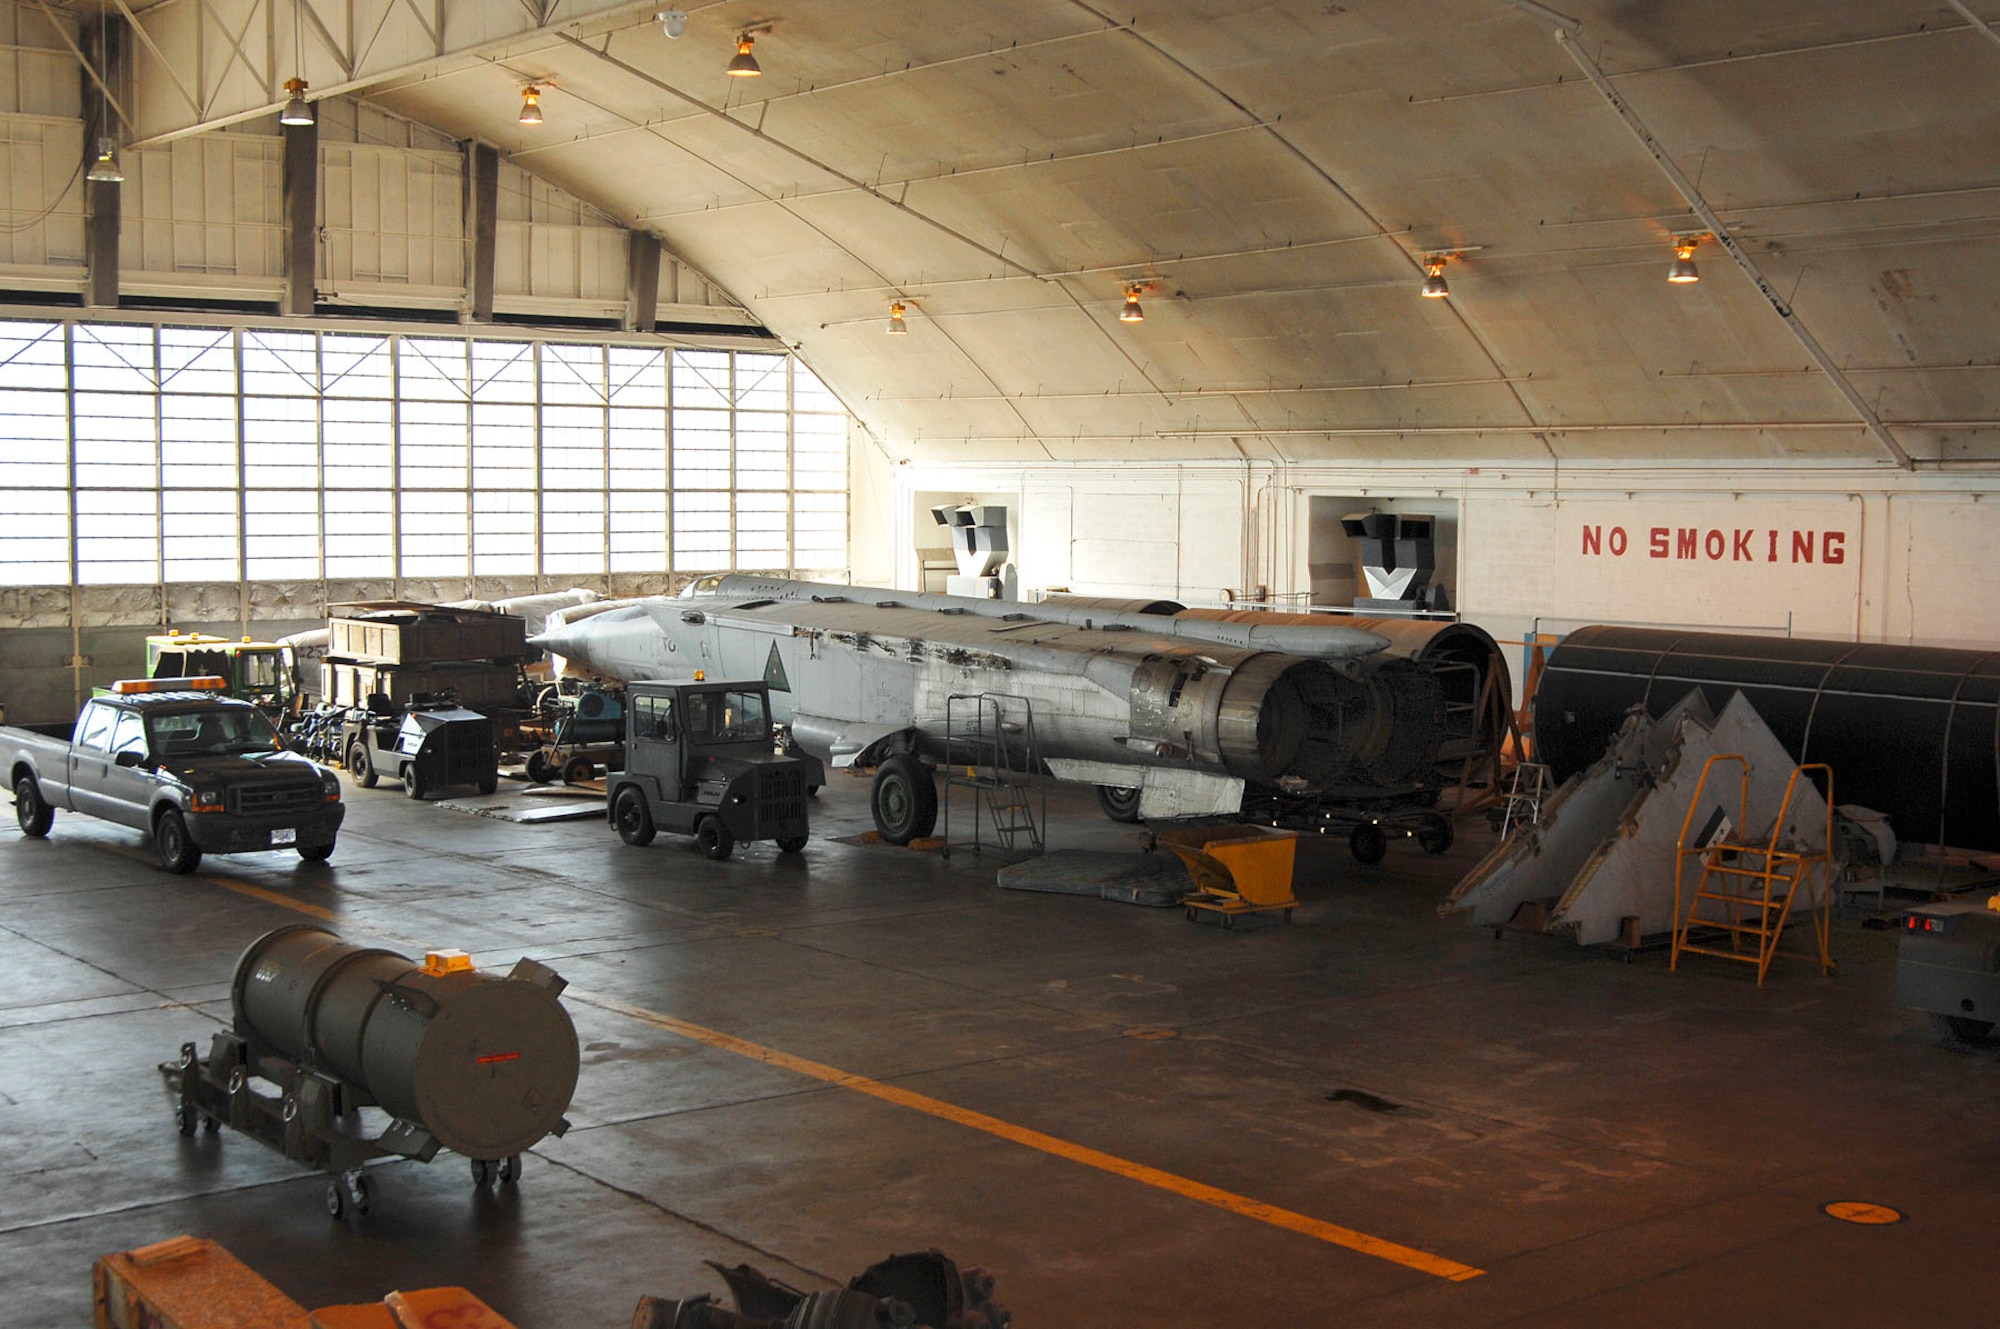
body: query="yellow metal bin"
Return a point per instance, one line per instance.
(1236, 869)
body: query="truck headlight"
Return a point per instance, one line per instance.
(329, 786)
(209, 799)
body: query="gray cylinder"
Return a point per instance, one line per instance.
(485, 1063)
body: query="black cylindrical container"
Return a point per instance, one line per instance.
(1908, 730)
(485, 1063)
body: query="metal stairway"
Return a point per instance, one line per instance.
(1749, 886)
(990, 751)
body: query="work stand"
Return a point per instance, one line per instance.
(990, 756)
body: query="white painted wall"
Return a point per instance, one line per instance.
(1850, 554)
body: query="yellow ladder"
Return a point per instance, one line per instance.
(1755, 884)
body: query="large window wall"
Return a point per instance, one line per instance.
(134, 453)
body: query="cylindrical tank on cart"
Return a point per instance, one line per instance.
(1908, 730)
(486, 1063)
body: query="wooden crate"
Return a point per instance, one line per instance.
(187, 1283)
(427, 636)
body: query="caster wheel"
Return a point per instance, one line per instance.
(510, 1169)
(1190, 914)
(336, 1203)
(358, 1193)
(210, 1125)
(184, 1119)
(1229, 920)
(482, 1172)
(1288, 915)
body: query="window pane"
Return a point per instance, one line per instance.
(360, 540)
(198, 360)
(281, 534)
(198, 442)
(34, 537)
(199, 530)
(117, 536)
(360, 448)
(32, 356)
(433, 369)
(34, 423)
(114, 358)
(357, 366)
(434, 535)
(279, 364)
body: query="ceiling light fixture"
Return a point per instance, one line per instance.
(1435, 286)
(745, 64)
(673, 22)
(531, 104)
(105, 169)
(298, 111)
(897, 327)
(1682, 270)
(1131, 313)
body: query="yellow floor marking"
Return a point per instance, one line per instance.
(1860, 1211)
(1381, 1248)
(1333, 1233)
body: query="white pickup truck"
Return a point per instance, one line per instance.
(196, 771)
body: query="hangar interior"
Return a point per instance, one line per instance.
(1668, 316)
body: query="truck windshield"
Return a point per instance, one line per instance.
(726, 717)
(214, 733)
(260, 671)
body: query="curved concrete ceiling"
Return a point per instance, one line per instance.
(1275, 174)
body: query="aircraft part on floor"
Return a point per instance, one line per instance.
(1603, 852)
(459, 1058)
(920, 1290)
(1908, 730)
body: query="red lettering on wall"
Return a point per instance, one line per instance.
(1714, 543)
(1593, 539)
(1834, 547)
(1802, 546)
(1618, 541)
(1685, 542)
(1657, 542)
(1774, 548)
(1739, 550)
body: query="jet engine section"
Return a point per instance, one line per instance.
(1368, 733)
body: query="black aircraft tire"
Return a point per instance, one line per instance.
(413, 782)
(34, 814)
(633, 818)
(1119, 804)
(1435, 835)
(903, 800)
(361, 765)
(714, 839)
(178, 852)
(1367, 843)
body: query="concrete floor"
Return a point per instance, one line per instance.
(1608, 1143)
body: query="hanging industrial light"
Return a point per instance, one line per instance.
(298, 111)
(1435, 286)
(105, 169)
(745, 64)
(1682, 270)
(897, 327)
(531, 104)
(1131, 313)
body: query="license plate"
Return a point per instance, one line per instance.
(286, 836)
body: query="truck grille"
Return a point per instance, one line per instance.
(274, 800)
(781, 796)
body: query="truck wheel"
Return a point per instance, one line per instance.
(903, 800)
(177, 849)
(791, 844)
(632, 817)
(1118, 804)
(1435, 834)
(577, 769)
(489, 784)
(34, 815)
(713, 838)
(414, 783)
(1367, 843)
(361, 766)
(316, 853)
